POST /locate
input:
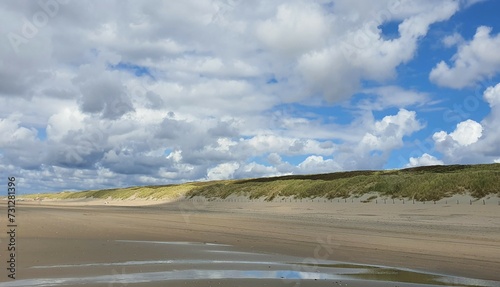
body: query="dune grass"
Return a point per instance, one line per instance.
(420, 183)
(139, 192)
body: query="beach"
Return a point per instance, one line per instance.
(282, 242)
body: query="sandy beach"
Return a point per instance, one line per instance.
(239, 242)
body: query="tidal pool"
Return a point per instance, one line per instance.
(223, 265)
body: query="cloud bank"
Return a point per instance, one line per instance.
(116, 93)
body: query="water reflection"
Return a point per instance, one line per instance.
(175, 275)
(153, 262)
(202, 261)
(165, 276)
(173, 242)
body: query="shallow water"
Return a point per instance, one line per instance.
(208, 261)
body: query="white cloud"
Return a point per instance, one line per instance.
(254, 170)
(285, 145)
(10, 126)
(296, 28)
(473, 142)
(63, 122)
(473, 62)
(467, 132)
(356, 49)
(371, 148)
(317, 164)
(424, 160)
(492, 95)
(163, 93)
(388, 133)
(222, 171)
(460, 146)
(453, 40)
(24, 149)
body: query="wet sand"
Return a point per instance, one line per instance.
(234, 243)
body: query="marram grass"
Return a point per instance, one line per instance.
(420, 183)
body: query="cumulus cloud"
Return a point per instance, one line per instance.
(222, 171)
(473, 62)
(160, 92)
(60, 124)
(489, 144)
(355, 48)
(25, 149)
(317, 164)
(461, 145)
(388, 133)
(424, 160)
(105, 97)
(471, 141)
(253, 170)
(296, 28)
(371, 149)
(492, 96)
(467, 132)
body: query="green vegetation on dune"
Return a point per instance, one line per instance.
(420, 183)
(139, 192)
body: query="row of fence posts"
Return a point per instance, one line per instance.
(317, 200)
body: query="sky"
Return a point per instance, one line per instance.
(103, 94)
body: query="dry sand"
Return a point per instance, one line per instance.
(445, 238)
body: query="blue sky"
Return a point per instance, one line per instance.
(161, 92)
